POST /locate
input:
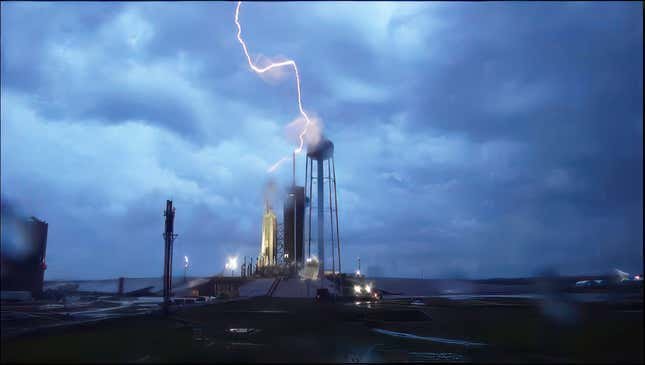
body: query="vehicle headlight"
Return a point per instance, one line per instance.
(357, 289)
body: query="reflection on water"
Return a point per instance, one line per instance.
(577, 297)
(398, 353)
(434, 356)
(427, 338)
(243, 331)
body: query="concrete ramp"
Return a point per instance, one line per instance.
(256, 288)
(297, 288)
(274, 286)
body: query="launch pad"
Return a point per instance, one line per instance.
(286, 247)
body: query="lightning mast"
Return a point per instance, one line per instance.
(295, 216)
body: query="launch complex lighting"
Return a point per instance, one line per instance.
(231, 264)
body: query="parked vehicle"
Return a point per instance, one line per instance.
(366, 291)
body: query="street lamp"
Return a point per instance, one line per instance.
(185, 267)
(358, 271)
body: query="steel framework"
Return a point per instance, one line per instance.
(169, 237)
(321, 153)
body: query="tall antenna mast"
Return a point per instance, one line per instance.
(293, 180)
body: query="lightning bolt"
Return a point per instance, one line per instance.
(259, 70)
(278, 163)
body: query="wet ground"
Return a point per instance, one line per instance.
(297, 330)
(25, 317)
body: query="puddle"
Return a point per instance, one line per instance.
(398, 316)
(258, 311)
(142, 359)
(246, 344)
(50, 306)
(243, 331)
(434, 356)
(91, 312)
(427, 338)
(380, 353)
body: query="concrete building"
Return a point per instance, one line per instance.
(26, 272)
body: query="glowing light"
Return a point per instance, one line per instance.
(231, 264)
(273, 65)
(357, 289)
(358, 273)
(186, 261)
(368, 288)
(637, 277)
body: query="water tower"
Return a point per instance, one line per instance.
(325, 203)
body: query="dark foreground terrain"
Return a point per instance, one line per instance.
(297, 330)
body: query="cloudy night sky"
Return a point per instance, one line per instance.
(471, 139)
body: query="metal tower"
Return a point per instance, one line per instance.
(323, 151)
(280, 249)
(168, 236)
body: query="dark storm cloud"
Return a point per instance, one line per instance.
(471, 139)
